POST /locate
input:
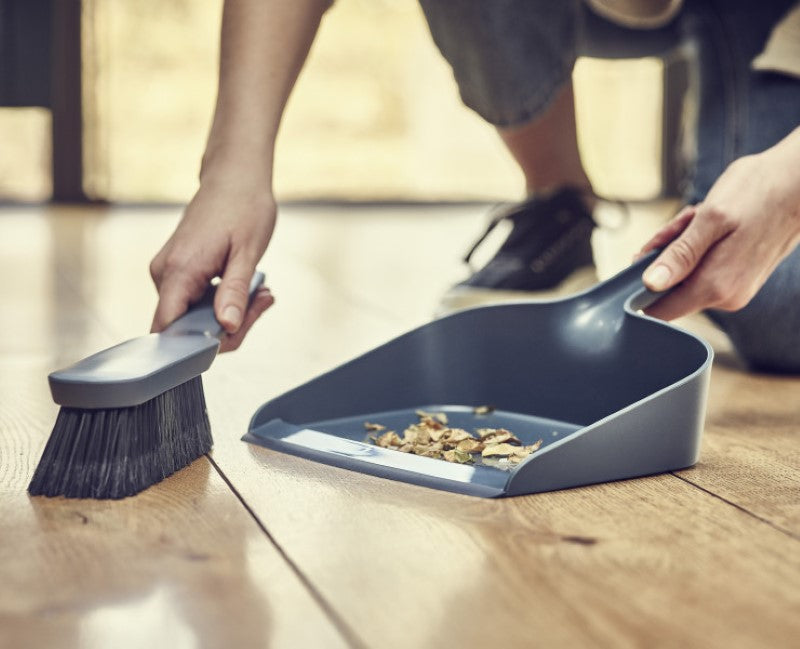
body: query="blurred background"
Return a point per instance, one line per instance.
(111, 100)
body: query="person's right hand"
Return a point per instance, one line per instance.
(224, 232)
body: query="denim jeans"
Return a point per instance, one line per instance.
(511, 57)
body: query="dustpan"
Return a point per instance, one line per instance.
(610, 392)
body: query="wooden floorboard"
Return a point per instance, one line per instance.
(708, 557)
(650, 562)
(751, 450)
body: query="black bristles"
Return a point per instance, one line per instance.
(117, 452)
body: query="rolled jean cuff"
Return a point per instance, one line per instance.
(509, 57)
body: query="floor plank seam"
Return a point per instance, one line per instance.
(788, 533)
(341, 625)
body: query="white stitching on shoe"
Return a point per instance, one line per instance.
(542, 261)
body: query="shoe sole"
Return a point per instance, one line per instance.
(464, 297)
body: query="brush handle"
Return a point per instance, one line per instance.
(200, 318)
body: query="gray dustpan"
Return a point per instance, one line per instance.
(611, 393)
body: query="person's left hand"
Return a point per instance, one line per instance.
(720, 252)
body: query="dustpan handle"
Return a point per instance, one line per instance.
(627, 285)
(200, 318)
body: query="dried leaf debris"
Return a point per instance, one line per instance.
(483, 410)
(432, 437)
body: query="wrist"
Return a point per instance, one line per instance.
(239, 165)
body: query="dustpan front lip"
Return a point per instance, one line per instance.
(483, 488)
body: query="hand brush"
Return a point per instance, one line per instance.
(133, 414)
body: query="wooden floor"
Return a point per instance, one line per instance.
(251, 548)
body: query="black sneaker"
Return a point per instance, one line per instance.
(548, 252)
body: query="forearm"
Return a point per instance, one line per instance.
(264, 44)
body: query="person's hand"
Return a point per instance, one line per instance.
(224, 232)
(720, 252)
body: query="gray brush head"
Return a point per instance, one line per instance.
(117, 452)
(133, 372)
(132, 414)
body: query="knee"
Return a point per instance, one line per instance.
(766, 333)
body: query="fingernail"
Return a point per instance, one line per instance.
(232, 315)
(656, 278)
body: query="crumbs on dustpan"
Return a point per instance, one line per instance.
(483, 410)
(432, 437)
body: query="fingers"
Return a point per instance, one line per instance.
(177, 291)
(233, 292)
(704, 229)
(262, 300)
(679, 302)
(718, 282)
(727, 278)
(671, 230)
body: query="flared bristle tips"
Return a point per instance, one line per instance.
(114, 453)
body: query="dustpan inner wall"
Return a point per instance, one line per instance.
(533, 361)
(526, 360)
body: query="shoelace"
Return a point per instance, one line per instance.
(505, 212)
(500, 215)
